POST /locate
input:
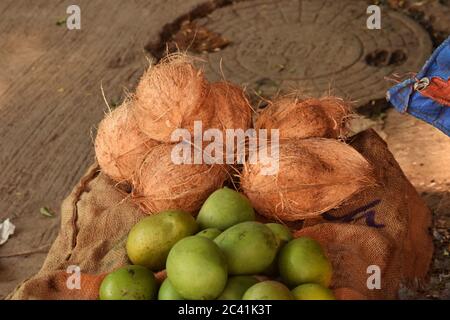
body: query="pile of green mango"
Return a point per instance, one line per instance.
(224, 254)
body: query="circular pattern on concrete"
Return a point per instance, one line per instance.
(314, 47)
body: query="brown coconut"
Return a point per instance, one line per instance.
(160, 184)
(170, 96)
(120, 146)
(296, 118)
(232, 109)
(314, 176)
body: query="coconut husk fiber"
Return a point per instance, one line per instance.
(170, 96)
(232, 111)
(160, 184)
(97, 216)
(315, 175)
(120, 146)
(232, 108)
(306, 118)
(128, 135)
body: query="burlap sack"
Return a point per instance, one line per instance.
(95, 220)
(386, 226)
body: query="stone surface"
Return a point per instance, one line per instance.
(314, 47)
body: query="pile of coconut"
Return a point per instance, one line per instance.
(317, 170)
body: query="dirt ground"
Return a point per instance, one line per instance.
(51, 102)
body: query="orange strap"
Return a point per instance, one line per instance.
(438, 90)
